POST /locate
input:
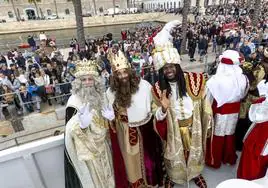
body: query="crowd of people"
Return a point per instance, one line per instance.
(164, 133)
(187, 120)
(43, 71)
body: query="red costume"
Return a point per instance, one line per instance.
(227, 88)
(253, 164)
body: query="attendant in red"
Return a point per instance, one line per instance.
(254, 159)
(226, 89)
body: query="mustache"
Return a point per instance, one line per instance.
(91, 96)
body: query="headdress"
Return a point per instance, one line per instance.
(231, 57)
(164, 51)
(86, 67)
(117, 60)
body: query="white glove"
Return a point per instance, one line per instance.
(85, 117)
(108, 113)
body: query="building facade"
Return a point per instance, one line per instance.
(169, 4)
(25, 10)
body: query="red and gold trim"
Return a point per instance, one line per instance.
(195, 83)
(138, 184)
(133, 136)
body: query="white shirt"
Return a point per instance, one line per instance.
(182, 112)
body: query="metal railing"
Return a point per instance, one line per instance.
(22, 104)
(17, 143)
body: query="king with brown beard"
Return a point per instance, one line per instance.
(133, 138)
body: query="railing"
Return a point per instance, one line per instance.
(17, 142)
(22, 104)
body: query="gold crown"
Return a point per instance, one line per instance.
(118, 61)
(86, 67)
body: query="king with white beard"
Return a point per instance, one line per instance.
(87, 157)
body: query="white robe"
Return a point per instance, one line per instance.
(89, 151)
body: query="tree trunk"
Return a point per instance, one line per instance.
(257, 8)
(56, 8)
(36, 8)
(114, 6)
(14, 9)
(95, 7)
(79, 24)
(197, 4)
(185, 12)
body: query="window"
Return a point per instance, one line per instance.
(67, 11)
(49, 12)
(175, 5)
(10, 14)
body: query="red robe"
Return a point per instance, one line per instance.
(252, 164)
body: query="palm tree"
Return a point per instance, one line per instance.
(79, 24)
(95, 7)
(197, 4)
(185, 12)
(114, 6)
(257, 7)
(56, 8)
(14, 9)
(36, 7)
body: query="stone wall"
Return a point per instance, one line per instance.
(62, 6)
(47, 25)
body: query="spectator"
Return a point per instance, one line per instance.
(220, 43)
(191, 47)
(32, 42)
(15, 82)
(3, 60)
(151, 76)
(26, 97)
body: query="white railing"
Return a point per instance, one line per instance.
(38, 164)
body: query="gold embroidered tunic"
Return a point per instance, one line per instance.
(90, 153)
(186, 134)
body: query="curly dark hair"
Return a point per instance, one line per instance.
(164, 82)
(124, 92)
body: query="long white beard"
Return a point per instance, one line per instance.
(91, 96)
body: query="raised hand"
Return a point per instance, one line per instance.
(85, 116)
(165, 101)
(108, 113)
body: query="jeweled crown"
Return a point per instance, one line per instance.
(118, 60)
(86, 67)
